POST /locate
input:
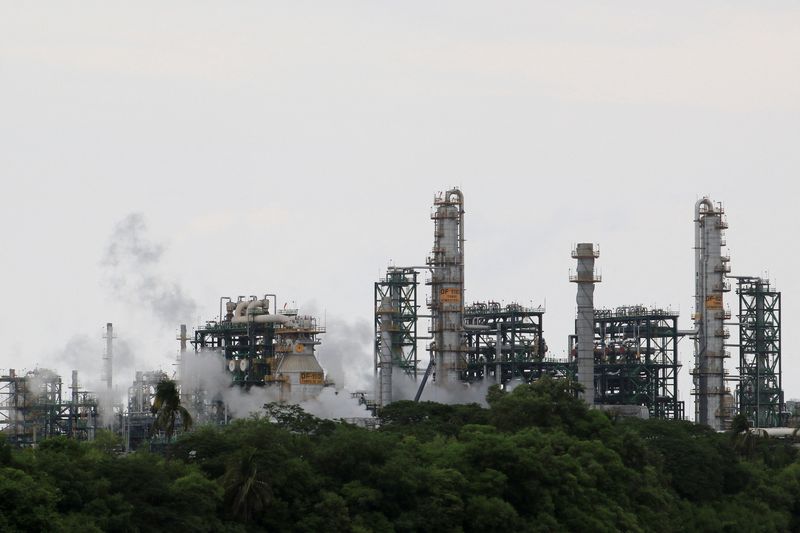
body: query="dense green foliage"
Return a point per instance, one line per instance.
(535, 460)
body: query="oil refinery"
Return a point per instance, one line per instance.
(625, 357)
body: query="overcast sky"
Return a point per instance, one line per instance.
(254, 147)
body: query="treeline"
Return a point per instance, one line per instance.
(535, 460)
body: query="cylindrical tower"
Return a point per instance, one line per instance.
(447, 286)
(585, 278)
(709, 316)
(386, 311)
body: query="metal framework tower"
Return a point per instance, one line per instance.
(713, 405)
(396, 315)
(636, 359)
(505, 343)
(447, 287)
(585, 278)
(760, 389)
(32, 408)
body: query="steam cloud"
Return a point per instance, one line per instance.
(346, 354)
(205, 371)
(132, 264)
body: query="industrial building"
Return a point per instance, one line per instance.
(33, 407)
(258, 348)
(625, 356)
(635, 358)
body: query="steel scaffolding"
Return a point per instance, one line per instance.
(399, 288)
(760, 389)
(137, 425)
(505, 343)
(636, 359)
(32, 408)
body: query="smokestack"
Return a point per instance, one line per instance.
(108, 360)
(447, 286)
(585, 278)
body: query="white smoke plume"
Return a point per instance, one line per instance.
(205, 371)
(132, 264)
(404, 387)
(346, 354)
(333, 403)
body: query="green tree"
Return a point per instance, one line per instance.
(167, 408)
(247, 488)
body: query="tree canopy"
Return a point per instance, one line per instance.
(535, 460)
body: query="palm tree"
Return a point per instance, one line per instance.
(247, 491)
(167, 407)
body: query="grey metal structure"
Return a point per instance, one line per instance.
(714, 403)
(447, 287)
(585, 278)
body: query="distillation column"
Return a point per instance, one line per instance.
(585, 278)
(447, 286)
(709, 317)
(385, 363)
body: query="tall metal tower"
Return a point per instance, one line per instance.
(396, 315)
(585, 278)
(447, 287)
(760, 387)
(713, 401)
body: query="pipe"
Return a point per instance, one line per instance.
(424, 380)
(264, 319)
(241, 307)
(274, 302)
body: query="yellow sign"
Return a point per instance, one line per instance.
(311, 378)
(450, 296)
(714, 301)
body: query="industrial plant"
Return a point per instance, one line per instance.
(624, 357)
